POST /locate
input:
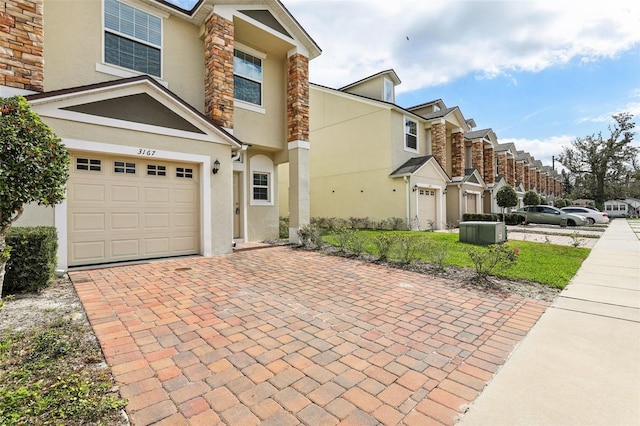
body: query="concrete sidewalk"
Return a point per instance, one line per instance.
(580, 364)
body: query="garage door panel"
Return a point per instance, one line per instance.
(88, 251)
(426, 208)
(125, 248)
(84, 222)
(156, 195)
(471, 203)
(125, 194)
(127, 216)
(87, 193)
(125, 221)
(155, 221)
(156, 246)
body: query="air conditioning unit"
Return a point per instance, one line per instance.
(482, 233)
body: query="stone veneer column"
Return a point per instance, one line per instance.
(502, 165)
(439, 143)
(520, 172)
(489, 161)
(21, 44)
(298, 138)
(511, 172)
(538, 182)
(457, 154)
(477, 157)
(218, 84)
(543, 183)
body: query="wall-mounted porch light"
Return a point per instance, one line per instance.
(216, 167)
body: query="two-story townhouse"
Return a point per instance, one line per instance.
(176, 120)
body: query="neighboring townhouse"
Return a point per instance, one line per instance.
(176, 120)
(424, 164)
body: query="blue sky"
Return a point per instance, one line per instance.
(539, 73)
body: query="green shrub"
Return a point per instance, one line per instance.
(436, 252)
(283, 228)
(510, 218)
(310, 236)
(483, 217)
(485, 260)
(383, 243)
(407, 248)
(32, 263)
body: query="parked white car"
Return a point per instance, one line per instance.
(592, 216)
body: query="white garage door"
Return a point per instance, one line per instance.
(122, 208)
(426, 208)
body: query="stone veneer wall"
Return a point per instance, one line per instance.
(538, 182)
(525, 174)
(21, 44)
(457, 154)
(520, 172)
(218, 85)
(502, 164)
(298, 98)
(477, 157)
(489, 160)
(439, 143)
(511, 171)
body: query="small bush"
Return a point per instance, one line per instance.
(32, 260)
(482, 217)
(436, 253)
(510, 218)
(407, 248)
(283, 228)
(310, 236)
(485, 260)
(383, 244)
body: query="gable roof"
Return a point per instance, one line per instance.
(138, 101)
(277, 17)
(388, 73)
(414, 164)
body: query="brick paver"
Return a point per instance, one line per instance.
(283, 336)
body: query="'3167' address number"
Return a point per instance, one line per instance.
(147, 152)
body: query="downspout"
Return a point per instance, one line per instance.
(408, 201)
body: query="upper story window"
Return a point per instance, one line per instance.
(132, 38)
(410, 134)
(387, 94)
(247, 77)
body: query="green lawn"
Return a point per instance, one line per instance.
(548, 264)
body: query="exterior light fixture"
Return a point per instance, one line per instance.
(216, 167)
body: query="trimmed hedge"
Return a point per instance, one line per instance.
(511, 218)
(32, 264)
(482, 217)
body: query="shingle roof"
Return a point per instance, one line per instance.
(411, 166)
(477, 134)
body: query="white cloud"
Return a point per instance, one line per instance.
(449, 39)
(542, 149)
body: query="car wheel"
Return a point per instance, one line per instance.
(571, 222)
(591, 220)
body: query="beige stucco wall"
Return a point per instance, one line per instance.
(73, 46)
(221, 183)
(35, 215)
(262, 220)
(454, 208)
(268, 128)
(372, 88)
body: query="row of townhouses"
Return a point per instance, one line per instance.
(191, 129)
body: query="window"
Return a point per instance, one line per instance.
(88, 164)
(122, 167)
(261, 186)
(183, 172)
(132, 38)
(153, 170)
(387, 94)
(410, 134)
(247, 77)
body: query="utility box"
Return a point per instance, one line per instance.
(482, 233)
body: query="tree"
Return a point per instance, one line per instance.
(507, 197)
(603, 166)
(531, 198)
(34, 166)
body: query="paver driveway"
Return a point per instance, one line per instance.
(282, 336)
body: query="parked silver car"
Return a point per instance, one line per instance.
(593, 216)
(549, 215)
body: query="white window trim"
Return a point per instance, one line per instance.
(119, 71)
(244, 104)
(404, 135)
(269, 200)
(388, 81)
